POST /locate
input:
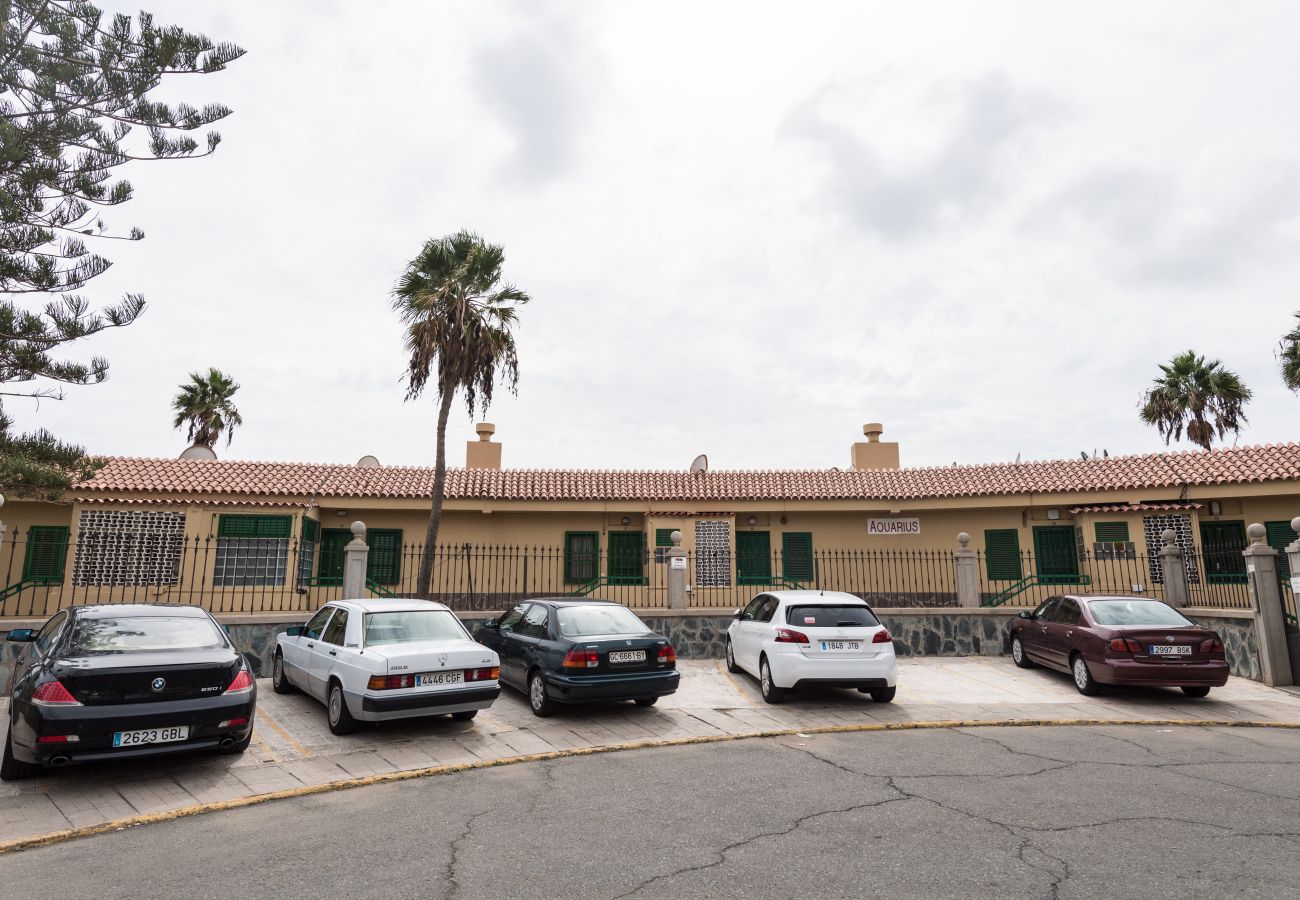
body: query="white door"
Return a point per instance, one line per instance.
(295, 649)
(324, 652)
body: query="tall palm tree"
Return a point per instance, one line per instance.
(1290, 353)
(458, 316)
(206, 406)
(1201, 397)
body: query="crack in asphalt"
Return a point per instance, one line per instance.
(453, 858)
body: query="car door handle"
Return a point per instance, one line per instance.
(309, 646)
(334, 653)
(1069, 633)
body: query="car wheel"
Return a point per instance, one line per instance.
(1019, 656)
(731, 658)
(336, 708)
(1196, 691)
(646, 701)
(464, 715)
(542, 705)
(884, 694)
(12, 769)
(279, 682)
(1083, 679)
(771, 693)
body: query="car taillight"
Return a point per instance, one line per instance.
(53, 693)
(790, 636)
(1124, 645)
(242, 684)
(1213, 645)
(882, 637)
(390, 682)
(667, 655)
(57, 739)
(581, 659)
(233, 723)
(485, 674)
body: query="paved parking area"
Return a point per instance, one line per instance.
(292, 745)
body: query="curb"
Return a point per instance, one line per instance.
(58, 837)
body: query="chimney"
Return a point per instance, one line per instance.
(483, 454)
(875, 453)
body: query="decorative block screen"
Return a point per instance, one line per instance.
(713, 553)
(128, 547)
(1153, 527)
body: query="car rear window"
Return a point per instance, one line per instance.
(584, 621)
(141, 634)
(412, 625)
(1136, 612)
(831, 616)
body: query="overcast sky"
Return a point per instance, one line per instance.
(747, 228)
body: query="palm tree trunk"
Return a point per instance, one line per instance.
(446, 393)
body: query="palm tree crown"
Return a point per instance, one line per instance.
(458, 316)
(1203, 398)
(206, 406)
(1290, 354)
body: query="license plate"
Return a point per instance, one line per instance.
(439, 678)
(151, 736)
(840, 646)
(626, 656)
(1170, 650)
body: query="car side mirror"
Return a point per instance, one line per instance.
(738, 615)
(22, 634)
(293, 630)
(1025, 614)
(489, 623)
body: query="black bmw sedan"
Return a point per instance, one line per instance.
(569, 650)
(111, 682)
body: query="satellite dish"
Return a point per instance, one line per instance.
(368, 462)
(198, 451)
(700, 463)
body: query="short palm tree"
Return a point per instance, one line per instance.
(1199, 397)
(206, 406)
(458, 316)
(1290, 353)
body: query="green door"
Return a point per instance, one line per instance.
(627, 552)
(332, 542)
(1222, 543)
(1057, 560)
(754, 557)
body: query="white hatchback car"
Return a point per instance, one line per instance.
(792, 639)
(374, 660)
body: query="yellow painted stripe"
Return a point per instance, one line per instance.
(288, 738)
(68, 834)
(264, 746)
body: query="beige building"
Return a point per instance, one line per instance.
(252, 536)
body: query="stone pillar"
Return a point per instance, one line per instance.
(967, 564)
(1173, 570)
(676, 573)
(355, 557)
(1266, 597)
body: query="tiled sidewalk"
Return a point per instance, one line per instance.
(292, 745)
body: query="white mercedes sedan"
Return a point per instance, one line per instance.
(794, 639)
(375, 660)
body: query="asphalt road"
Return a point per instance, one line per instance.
(982, 812)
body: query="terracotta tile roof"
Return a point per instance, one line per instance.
(1136, 507)
(183, 501)
(1268, 462)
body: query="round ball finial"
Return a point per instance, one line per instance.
(359, 530)
(1295, 523)
(676, 538)
(2, 503)
(1256, 532)
(964, 539)
(1168, 536)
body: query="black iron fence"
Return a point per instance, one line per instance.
(42, 569)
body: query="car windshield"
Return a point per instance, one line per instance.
(831, 616)
(1135, 612)
(412, 625)
(583, 621)
(139, 634)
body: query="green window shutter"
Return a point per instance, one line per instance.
(664, 537)
(384, 563)
(797, 553)
(47, 551)
(255, 526)
(753, 557)
(1002, 554)
(581, 556)
(1280, 536)
(1112, 532)
(310, 530)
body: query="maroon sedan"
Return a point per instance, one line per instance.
(1119, 640)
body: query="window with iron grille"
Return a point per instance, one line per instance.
(47, 550)
(1002, 554)
(384, 563)
(663, 543)
(307, 549)
(252, 551)
(581, 556)
(1112, 541)
(627, 553)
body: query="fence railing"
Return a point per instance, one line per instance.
(42, 571)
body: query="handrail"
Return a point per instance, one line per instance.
(18, 587)
(1029, 581)
(380, 591)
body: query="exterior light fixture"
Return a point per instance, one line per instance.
(1053, 514)
(1216, 508)
(626, 520)
(340, 512)
(752, 520)
(784, 519)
